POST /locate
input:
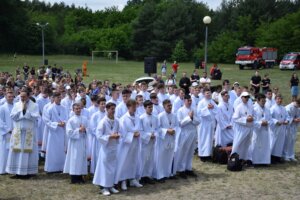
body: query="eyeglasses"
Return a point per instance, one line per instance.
(246, 97)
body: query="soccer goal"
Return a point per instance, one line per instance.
(105, 56)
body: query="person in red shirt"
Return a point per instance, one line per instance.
(175, 67)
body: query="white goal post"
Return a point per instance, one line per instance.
(109, 54)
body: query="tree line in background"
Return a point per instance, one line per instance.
(166, 29)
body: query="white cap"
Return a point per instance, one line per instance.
(245, 94)
(68, 87)
(236, 83)
(194, 84)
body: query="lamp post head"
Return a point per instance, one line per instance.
(207, 20)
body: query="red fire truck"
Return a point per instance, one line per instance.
(255, 57)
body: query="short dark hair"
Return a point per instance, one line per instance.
(225, 81)
(153, 95)
(101, 99)
(126, 91)
(187, 96)
(130, 103)
(109, 105)
(260, 96)
(147, 103)
(166, 101)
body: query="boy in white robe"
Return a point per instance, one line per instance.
(69, 99)
(149, 131)
(179, 101)
(188, 123)
(157, 108)
(260, 144)
(224, 131)
(144, 92)
(139, 107)
(6, 127)
(207, 110)
(55, 120)
(23, 153)
(45, 133)
(108, 135)
(165, 144)
(121, 109)
(161, 93)
(129, 148)
(41, 101)
(114, 97)
(278, 130)
(243, 127)
(269, 100)
(95, 106)
(196, 98)
(94, 142)
(77, 129)
(291, 134)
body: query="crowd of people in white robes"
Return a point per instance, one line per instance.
(131, 136)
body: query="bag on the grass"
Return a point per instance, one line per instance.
(234, 163)
(219, 156)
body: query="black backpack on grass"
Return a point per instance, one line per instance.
(219, 155)
(234, 163)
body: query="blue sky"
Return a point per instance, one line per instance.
(101, 4)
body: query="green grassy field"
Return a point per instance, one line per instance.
(127, 71)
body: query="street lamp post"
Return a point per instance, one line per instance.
(206, 21)
(43, 26)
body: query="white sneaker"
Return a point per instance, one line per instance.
(114, 190)
(105, 192)
(135, 183)
(123, 185)
(294, 159)
(287, 159)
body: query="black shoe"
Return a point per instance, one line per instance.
(149, 181)
(173, 177)
(190, 173)
(205, 158)
(249, 164)
(182, 175)
(162, 180)
(23, 177)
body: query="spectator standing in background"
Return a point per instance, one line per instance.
(185, 83)
(255, 82)
(195, 77)
(164, 68)
(265, 83)
(294, 82)
(175, 68)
